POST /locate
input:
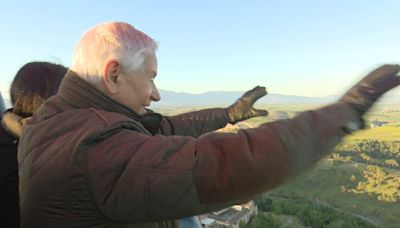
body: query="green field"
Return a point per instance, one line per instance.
(384, 133)
(388, 113)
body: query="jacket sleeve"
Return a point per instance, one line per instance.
(194, 123)
(135, 178)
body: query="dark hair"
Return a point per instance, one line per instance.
(33, 84)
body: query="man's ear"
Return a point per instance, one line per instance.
(110, 76)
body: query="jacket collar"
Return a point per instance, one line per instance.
(80, 94)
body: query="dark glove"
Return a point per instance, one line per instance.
(243, 109)
(363, 95)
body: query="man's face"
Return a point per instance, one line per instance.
(138, 90)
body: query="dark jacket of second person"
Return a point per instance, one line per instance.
(9, 199)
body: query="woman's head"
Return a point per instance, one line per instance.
(33, 84)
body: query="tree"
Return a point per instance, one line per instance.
(379, 183)
(392, 163)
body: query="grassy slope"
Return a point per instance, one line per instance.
(324, 184)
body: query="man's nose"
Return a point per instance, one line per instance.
(155, 95)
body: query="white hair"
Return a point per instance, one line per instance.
(112, 40)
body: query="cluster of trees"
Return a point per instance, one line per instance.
(311, 213)
(385, 186)
(373, 152)
(376, 182)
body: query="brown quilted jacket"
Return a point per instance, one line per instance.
(88, 161)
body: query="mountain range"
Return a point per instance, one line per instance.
(223, 98)
(217, 98)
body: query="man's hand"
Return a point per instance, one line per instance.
(243, 109)
(363, 95)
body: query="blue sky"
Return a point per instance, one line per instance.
(298, 47)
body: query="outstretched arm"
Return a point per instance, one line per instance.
(200, 122)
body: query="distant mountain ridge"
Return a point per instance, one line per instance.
(216, 98)
(180, 99)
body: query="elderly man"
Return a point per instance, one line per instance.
(93, 155)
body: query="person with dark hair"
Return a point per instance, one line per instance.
(95, 156)
(32, 85)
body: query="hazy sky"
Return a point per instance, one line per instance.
(299, 47)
